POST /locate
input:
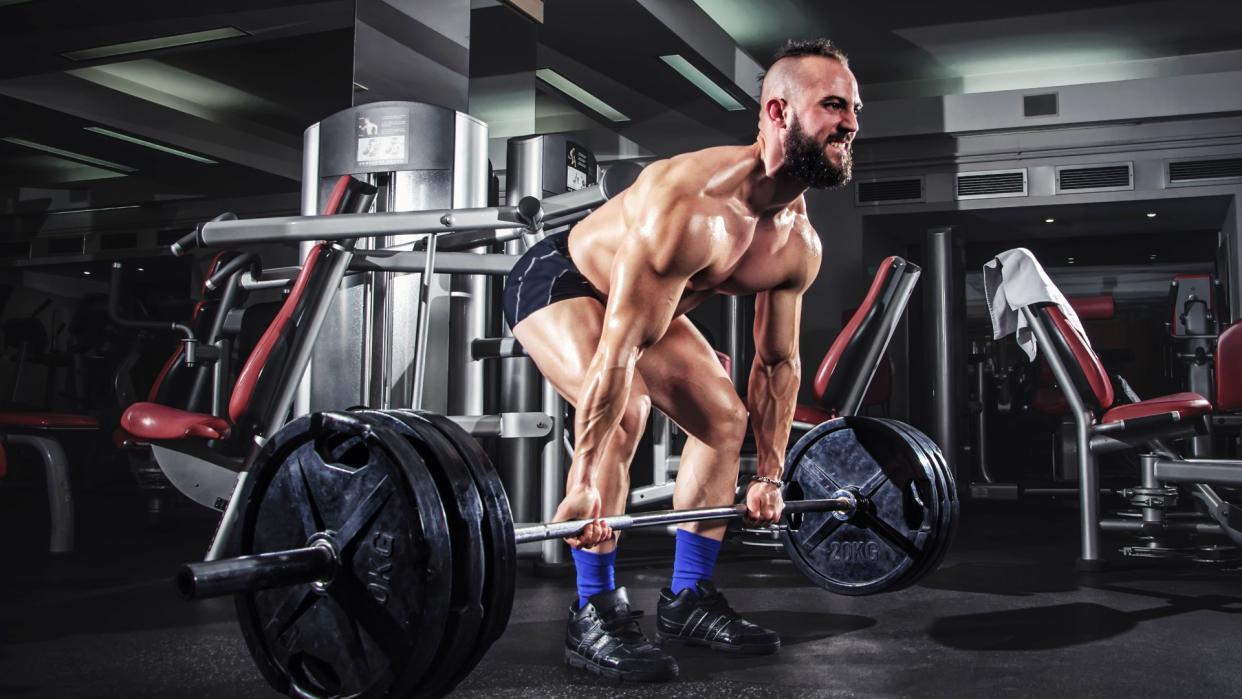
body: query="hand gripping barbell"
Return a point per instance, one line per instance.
(379, 553)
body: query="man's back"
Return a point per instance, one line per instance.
(708, 193)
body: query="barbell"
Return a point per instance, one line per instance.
(379, 552)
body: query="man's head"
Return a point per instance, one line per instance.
(809, 106)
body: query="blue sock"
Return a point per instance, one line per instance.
(693, 559)
(595, 573)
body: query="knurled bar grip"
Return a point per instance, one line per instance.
(560, 530)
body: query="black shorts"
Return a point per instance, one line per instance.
(543, 276)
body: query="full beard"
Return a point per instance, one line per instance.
(806, 161)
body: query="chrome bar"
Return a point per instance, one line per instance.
(558, 530)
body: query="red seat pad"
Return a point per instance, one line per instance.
(155, 421)
(48, 420)
(1188, 404)
(1229, 369)
(811, 414)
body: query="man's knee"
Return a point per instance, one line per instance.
(634, 420)
(728, 422)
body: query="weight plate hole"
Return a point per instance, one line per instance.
(344, 450)
(316, 673)
(793, 491)
(912, 505)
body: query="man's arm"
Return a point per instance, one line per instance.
(777, 370)
(649, 274)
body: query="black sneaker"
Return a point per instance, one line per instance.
(604, 638)
(702, 617)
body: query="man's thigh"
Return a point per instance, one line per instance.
(686, 380)
(561, 339)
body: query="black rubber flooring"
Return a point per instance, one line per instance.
(1006, 615)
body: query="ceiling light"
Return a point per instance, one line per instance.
(142, 142)
(1050, 220)
(97, 208)
(142, 269)
(154, 44)
(1070, 260)
(87, 273)
(1151, 215)
(1152, 257)
(700, 80)
(69, 154)
(574, 91)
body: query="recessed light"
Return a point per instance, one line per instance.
(154, 44)
(578, 93)
(149, 144)
(1152, 257)
(699, 79)
(1151, 214)
(142, 269)
(1070, 260)
(1050, 220)
(97, 162)
(87, 273)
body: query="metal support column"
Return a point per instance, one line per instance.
(941, 340)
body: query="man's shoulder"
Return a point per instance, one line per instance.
(696, 170)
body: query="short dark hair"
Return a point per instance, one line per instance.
(810, 47)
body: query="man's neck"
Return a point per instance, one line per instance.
(770, 190)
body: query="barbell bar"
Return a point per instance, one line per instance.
(316, 563)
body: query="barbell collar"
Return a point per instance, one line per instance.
(560, 530)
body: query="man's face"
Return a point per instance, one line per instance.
(822, 124)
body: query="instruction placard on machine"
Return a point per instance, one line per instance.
(382, 136)
(577, 176)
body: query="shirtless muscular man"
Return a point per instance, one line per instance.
(601, 309)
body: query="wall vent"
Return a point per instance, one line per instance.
(1111, 177)
(1039, 105)
(66, 245)
(893, 191)
(1185, 172)
(990, 184)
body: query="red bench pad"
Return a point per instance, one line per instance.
(1188, 404)
(810, 413)
(155, 421)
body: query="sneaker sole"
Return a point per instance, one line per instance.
(574, 660)
(749, 649)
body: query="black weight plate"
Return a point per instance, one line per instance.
(898, 515)
(501, 579)
(950, 507)
(940, 492)
(464, 511)
(373, 630)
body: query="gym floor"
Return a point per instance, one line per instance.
(1006, 615)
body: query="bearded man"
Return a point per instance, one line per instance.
(601, 311)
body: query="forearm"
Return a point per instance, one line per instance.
(600, 408)
(772, 395)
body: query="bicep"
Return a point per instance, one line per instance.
(778, 315)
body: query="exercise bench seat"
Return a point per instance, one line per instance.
(152, 421)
